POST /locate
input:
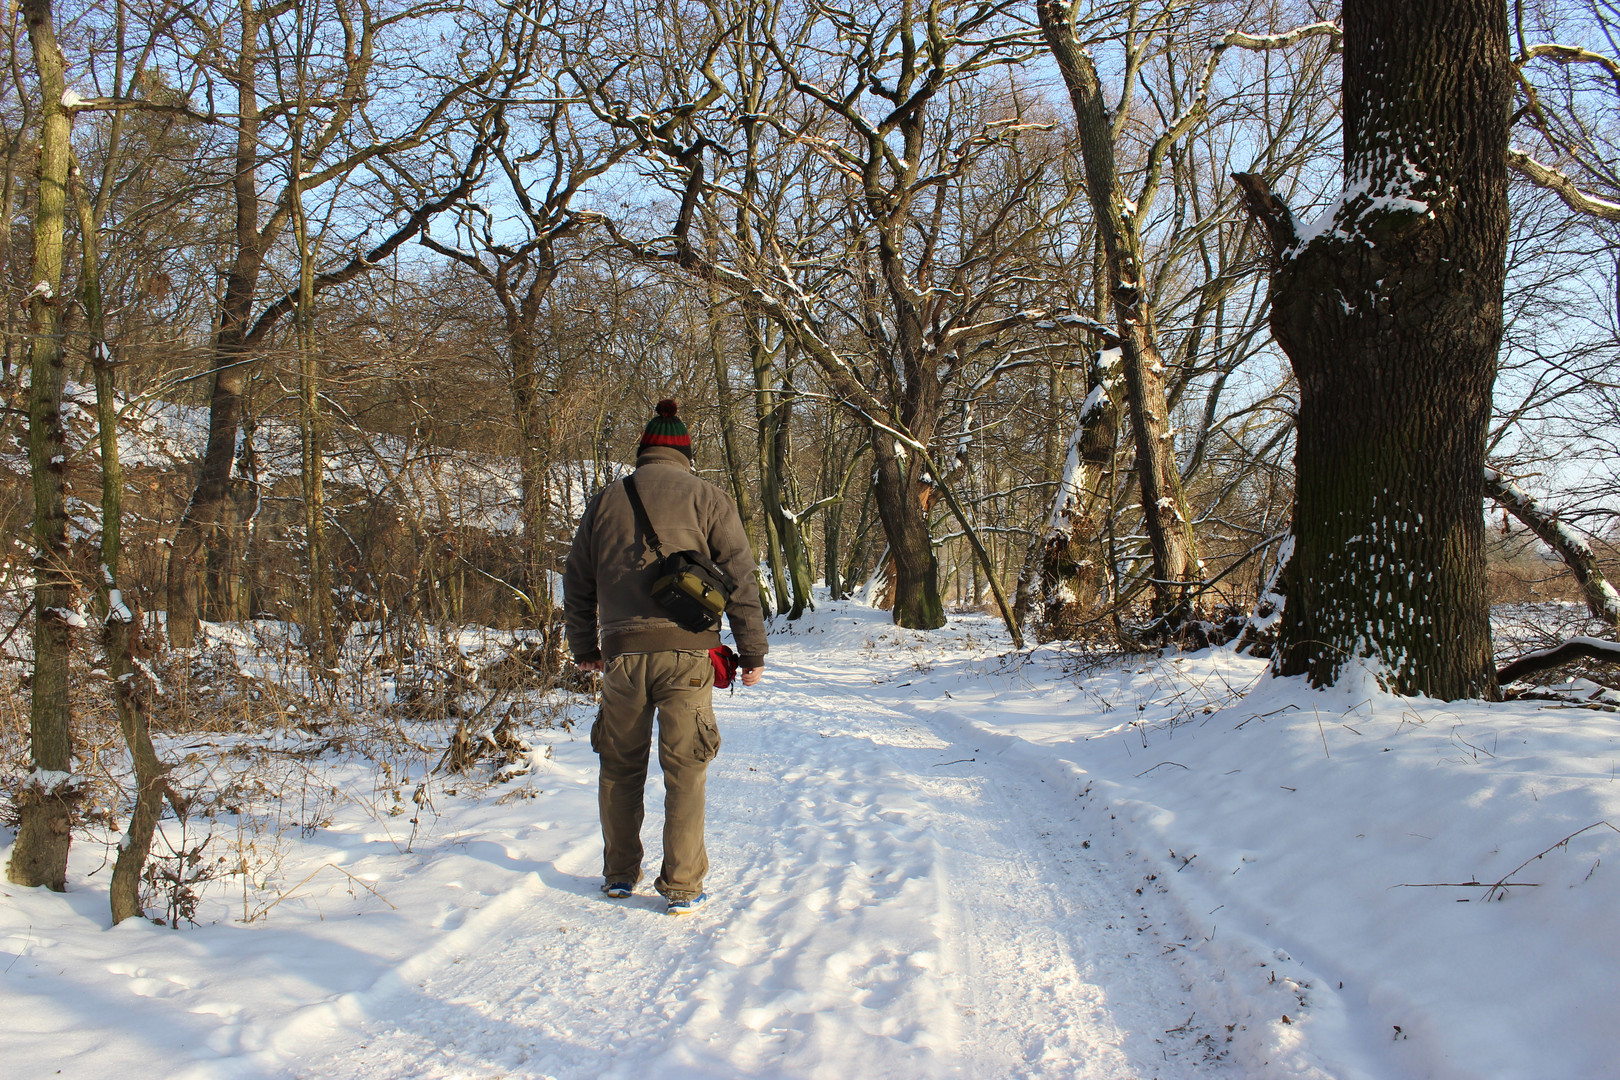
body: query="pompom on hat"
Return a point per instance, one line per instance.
(667, 429)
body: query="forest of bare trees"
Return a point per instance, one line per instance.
(1128, 323)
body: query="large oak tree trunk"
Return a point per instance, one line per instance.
(1391, 312)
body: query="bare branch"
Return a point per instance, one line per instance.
(1601, 599)
(1579, 648)
(1571, 54)
(1237, 39)
(1545, 176)
(1268, 207)
(360, 263)
(124, 104)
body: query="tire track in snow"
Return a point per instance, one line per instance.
(881, 909)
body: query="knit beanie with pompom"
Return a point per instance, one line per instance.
(666, 429)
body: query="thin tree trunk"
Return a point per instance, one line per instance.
(770, 494)
(982, 556)
(834, 481)
(318, 630)
(45, 800)
(831, 525)
(1164, 508)
(120, 629)
(203, 554)
(533, 464)
(1029, 571)
(856, 568)
(741, 490)
(8, 209)
(795, 551)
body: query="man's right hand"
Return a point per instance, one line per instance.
(751, 675)
(588, 665)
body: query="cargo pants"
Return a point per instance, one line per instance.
(679, 686)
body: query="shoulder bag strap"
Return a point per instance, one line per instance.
(640, 510)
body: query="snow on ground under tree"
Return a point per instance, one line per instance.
(931, 859)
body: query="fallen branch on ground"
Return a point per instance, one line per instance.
(1503, 884)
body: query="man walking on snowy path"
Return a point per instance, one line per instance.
(649, 661)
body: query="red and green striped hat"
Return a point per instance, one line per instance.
(666, 429)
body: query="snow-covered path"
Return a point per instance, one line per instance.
(931, 858)
(886, 904)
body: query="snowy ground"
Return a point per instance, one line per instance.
(930, 860)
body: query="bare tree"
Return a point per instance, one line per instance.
(547, 154)
(349, 125)
(856, 249)
(121, 631)
(1567, 72)
(1119, 220)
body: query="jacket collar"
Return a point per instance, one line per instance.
(663, 455)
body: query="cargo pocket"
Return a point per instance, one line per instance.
(708, 735)
(596, 733)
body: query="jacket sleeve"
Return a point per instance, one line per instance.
(579, 589)
(728, 546)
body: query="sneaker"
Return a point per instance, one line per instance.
(618, 890)
(686, 907)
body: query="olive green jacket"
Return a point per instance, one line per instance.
(608, 580)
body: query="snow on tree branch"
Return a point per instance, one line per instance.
(1601, 599)
(1571, 54)
(1589, 648)
(1545, 176)
(1237, 39)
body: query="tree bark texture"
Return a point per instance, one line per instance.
(1390, 309)
(45, 800)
